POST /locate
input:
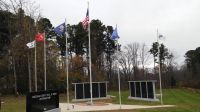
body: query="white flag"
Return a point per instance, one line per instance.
(31, 44)
(161, 37)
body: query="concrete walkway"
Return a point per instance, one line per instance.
(81, 108)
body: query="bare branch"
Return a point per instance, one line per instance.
(144, 55)
(30, 7)
(3, 5)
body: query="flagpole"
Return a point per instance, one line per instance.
(35, 66)
(45, 69)
(119, 82)
(67, 70)
(29, 74)
(90, 66)
(161, 97)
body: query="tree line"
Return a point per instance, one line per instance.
(21, 21)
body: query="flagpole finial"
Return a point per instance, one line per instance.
(88, 2)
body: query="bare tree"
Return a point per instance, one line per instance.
(171, 59)
(132, 50)
(144, 56)
(30, 8)
(27, 12)
(4, 5)
(128, 60)
(124, 59)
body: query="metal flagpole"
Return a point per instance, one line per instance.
(35, 66)
(29, 74)
(161, 99)
(119, 82)
(66, 34)
(90, 55)
(45, 70)
(15, 76)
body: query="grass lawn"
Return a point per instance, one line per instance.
(13, 104)
(185, 100)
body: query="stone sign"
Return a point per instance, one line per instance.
(42, 101)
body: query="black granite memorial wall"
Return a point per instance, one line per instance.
(103, 89)
(79, 87)
(132, 89)
(142, 89)
(150, 90)
(86, 91)
(82, 90)
(95, 90)
(138, 91)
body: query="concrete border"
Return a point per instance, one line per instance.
(109, 106)
(88, 99)
(143, 99)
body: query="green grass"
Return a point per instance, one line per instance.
(125, 99)
(13, 104)
(185, 100)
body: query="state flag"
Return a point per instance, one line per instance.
(60, 30)
(115, 35)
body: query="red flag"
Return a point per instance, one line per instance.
(85, 22)
(39, 37)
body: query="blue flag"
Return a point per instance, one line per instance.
(115, 35)
(60, 30)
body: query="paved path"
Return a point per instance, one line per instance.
(81, 108)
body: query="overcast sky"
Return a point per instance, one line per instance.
(137, 20)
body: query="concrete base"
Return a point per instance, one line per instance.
(88, 99)
(54, 110)
(143, 99)
(103, 108)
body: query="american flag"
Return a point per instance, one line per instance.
(85, 22)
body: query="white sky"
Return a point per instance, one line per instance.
(137, 20)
